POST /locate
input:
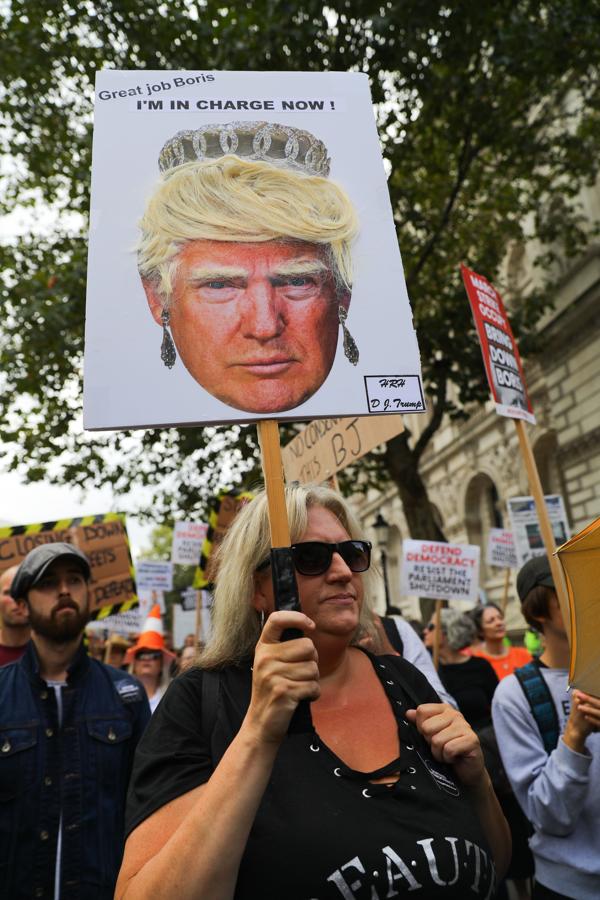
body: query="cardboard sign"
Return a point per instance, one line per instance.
(526, 527)
(499, 348)
(501, 549)
(188, 538)
(104, 541)
(440, 571)
(225, 508)
(289, 300)
(154, 575)
(327, 446)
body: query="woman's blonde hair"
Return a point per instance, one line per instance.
(232, 199)
(236, 625)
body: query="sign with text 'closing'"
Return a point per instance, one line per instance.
(103, 539)
(327, 446)
(440, 571)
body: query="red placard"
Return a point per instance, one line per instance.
(500, 352)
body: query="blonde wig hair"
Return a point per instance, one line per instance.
(236, 625)
(232, 199)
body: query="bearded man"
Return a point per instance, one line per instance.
(69, 726)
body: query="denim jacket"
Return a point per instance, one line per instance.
(81, 769)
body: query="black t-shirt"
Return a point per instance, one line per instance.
(472, 684)
(322, 830)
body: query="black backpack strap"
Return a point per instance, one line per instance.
(541, 703)
(211, 689)
(392, 634)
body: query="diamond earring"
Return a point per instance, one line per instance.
(350, 348)
(168, 353)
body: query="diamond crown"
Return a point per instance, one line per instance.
(279, 145)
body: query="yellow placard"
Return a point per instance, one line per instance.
(103, 539)
(225, 508)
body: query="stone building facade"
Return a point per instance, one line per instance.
(472, 467)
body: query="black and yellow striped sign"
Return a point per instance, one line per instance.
(226, 506)
(104, 541)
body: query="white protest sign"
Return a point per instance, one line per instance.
(187, 542)
(188, 599)
(327, 446)
(124, 623)
(314, 229)
(501, 549)
(440, 571)
(526, 527)
(153, 575)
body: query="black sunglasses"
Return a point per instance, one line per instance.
(149, 654)
(314, 557)
(429, 627)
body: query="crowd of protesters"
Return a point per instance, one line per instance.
(365, 797)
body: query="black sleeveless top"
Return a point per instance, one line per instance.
(323, 831)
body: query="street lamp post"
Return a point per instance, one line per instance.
(382, 530)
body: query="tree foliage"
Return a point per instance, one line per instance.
(489, 118)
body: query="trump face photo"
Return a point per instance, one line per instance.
(245, 259)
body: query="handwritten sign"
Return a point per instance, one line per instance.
(104, 541)
(394, 394)
(226, 506)
(188, 538)
(499, 348)
(526, 527)
(440, 571)
(501, 549)
(154, 575)
(326, 446)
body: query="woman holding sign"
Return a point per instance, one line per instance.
(387, 795)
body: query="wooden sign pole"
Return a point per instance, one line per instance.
(437, 633)
(535, 487)
(198, 626)
(268, 437)
(504, 603)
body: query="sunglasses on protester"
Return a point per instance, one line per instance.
(314, 557)
(429, 627)
(149, 654)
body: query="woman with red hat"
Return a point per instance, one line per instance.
(149, 659)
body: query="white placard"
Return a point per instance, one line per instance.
(440, 571)
(501, 549)
(187, 542)
(267, 312)
(526, 528)
(152, 575)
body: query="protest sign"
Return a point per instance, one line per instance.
(188, 538)
(336, 338)
(125, 623)
(499, 348)
(154, 575)
(188, 599)
(501, 549)
(225, 508)
(103, 539)
(526, 527)
(326, 446)
(440, 571)
(580, 561)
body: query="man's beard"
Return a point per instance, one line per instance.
(62, 629)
